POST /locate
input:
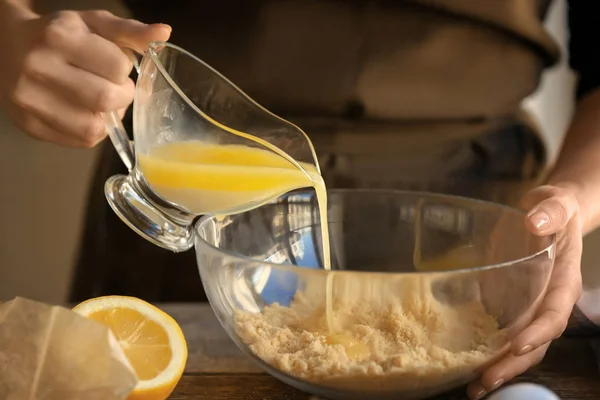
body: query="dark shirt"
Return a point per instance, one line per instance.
(584, 52)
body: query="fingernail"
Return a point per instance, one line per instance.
(539, 219)
(524, 350)
(479, 395)
(498, 383)
(164, 26)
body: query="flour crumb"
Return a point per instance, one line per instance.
(407, 339)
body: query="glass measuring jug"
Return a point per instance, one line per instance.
(181, 100)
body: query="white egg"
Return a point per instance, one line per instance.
(524, 391)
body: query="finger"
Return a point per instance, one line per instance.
(39, 130)
(70, 119)
(551, 213)
(550, 324)
(81, 87)
(503, 371)
(536, 195)
(125, 32)
(100, 57)
(67, 34)
(121, 112)
(564, 290)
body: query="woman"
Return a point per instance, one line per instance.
(419, 94)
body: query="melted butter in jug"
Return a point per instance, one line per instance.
(354, 348)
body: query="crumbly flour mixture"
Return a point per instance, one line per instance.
(391, 334)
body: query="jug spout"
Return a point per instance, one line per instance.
(143, 211)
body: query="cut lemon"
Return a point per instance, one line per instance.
(151, 340)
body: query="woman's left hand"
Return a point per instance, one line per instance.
(551, 209)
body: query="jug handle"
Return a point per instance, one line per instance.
(116, 131)
(133, 202)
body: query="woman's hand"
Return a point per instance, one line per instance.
(60, 71)
(551, 209)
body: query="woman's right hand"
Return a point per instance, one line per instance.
(59, 72)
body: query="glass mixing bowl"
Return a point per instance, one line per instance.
(424, 290)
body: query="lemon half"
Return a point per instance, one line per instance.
(151, 340)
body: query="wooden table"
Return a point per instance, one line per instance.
(216, 368)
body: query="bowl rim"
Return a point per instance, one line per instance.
(292, 268)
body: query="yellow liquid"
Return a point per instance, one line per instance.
(216, 179)
(354, 348)
(460, 257)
